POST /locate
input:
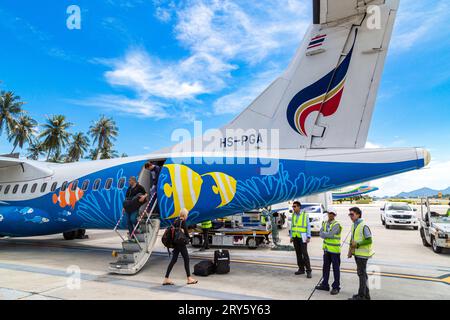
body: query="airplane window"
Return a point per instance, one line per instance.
(44, 186)
(64, 186)
(108, 184)
(121, 183)
(7, 189)
(16, 187)
(24, 188)
(85, 185)
(54, 186)
(33, 188)
(97, 184)
(74, 185)
(1, 187)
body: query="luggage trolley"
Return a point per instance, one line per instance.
(233, 237)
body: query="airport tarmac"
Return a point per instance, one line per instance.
(42, 268)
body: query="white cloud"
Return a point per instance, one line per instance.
(420, 21)
(150, 77)
(436, 176)
(122, 104)
(220, 37)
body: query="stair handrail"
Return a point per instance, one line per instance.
(141, 216)
(117, 226)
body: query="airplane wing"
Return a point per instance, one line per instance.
(12, 170)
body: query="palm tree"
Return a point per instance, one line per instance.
(108, 153)
(78, 146)
(55, 134)
(57, 157)
(35, 150)
(104, 131)
(22, 132)
(10, 108)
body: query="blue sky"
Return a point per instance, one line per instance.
(156, 65)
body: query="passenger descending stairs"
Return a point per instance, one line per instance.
(135, 254)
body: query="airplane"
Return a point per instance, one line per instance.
(353, 192)
(305, 134)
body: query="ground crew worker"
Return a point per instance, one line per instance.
(361, 249)
(331, 234)
(263, 220)
(301, 235)
(206, 226)
(448, 211)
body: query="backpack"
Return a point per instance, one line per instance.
(174, 236)
(132, 205)
(222, 261)
(168, 237)
(204, 268)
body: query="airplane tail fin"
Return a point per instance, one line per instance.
(326, 97)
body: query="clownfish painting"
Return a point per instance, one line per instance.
(68, 197)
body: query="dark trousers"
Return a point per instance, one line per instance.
(206, 238)
(335, 260)
(176, 252)
(361, 267)
(301, 250)
(131, 220)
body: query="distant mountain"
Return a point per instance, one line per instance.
(424, 192)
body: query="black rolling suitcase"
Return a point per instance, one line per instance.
(222, 261)
(204, 268)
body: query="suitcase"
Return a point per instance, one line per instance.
(204, 268)
(222, 261)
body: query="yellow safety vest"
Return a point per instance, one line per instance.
(358, 236)
(263, 220)
(448, 213)
(299, 225)
(207, 225)
(332, 245)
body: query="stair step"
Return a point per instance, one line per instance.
(142, 237)
(127, 256)
(131, 246)
(119, 265)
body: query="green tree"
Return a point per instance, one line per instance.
(107, 152)
(35, 150)
(57, 157)
(10, 109)
(78, 147)
(22, 132)
(55, 135)
(103, 132)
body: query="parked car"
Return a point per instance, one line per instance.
(435, 229)
(399, 215)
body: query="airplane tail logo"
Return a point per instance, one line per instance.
(323, 96)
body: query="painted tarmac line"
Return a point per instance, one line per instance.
(81, 247)
(152, 286)
(444, 279)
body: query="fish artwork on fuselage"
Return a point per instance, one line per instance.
(37, 220)
(68, 197)
(186, 187)
(225, 186)
(25, 211)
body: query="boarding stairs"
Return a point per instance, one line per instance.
(136, 252)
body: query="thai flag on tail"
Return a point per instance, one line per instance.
(317, 41)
